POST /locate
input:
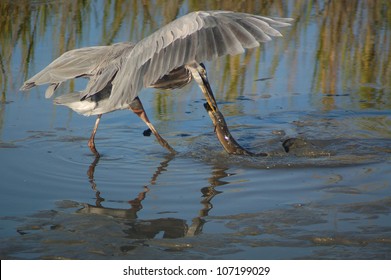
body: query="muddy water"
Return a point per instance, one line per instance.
(323, 192)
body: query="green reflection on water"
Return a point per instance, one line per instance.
(352, 42)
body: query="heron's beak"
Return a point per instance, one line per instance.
(199, 74)
(207, 90)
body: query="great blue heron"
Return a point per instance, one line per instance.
(168, 58)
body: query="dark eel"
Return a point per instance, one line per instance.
(222, 132)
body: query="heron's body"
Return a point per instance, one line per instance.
(169, 58)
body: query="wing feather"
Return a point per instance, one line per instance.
(198, 36)
(99, 63)
(69, 65)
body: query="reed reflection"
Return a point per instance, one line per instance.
(352, 53)
(168, 227)
(352, 37)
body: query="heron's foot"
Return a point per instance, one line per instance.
(91, 145)
(148, 132)
(165, 144)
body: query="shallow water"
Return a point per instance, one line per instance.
(328, 197)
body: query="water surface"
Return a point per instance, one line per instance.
(325, 85)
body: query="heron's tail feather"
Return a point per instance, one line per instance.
(72, 100)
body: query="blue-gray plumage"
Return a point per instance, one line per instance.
(169, 58)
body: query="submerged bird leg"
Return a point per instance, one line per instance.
(137, 107)
(91, 142)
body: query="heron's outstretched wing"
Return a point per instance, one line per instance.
(198, 36)
(69, 65)
(99, 63)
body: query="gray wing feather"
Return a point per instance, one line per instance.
(99, 63)
(69, 65)
(198, 36)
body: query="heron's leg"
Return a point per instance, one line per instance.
(91, 142)
(137, 107)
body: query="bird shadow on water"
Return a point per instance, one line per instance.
(80, 230)
(132, 228)
(148, 229)
(95, 230)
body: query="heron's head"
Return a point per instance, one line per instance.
(202, 70)
(198, 71)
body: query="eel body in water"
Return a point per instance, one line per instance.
(226, 139)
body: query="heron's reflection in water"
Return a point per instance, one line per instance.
(162, 227)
